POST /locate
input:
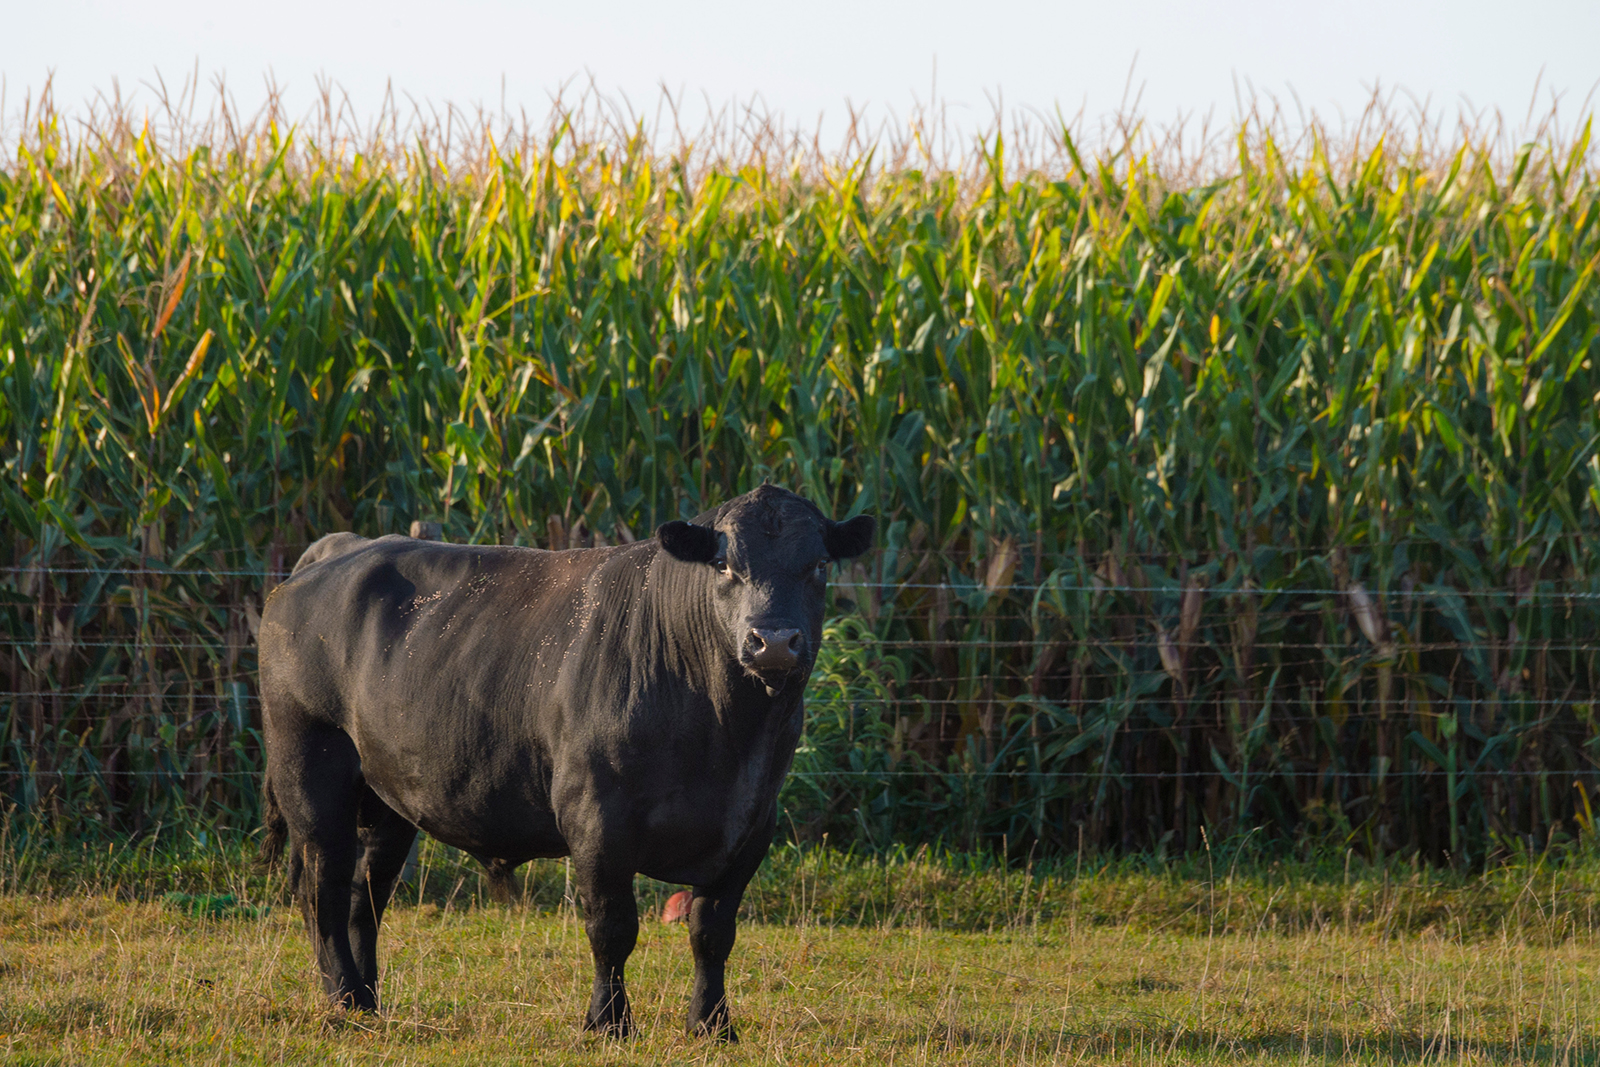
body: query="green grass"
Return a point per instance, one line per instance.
(1235, 889)
(91, 980)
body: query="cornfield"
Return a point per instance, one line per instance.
(1262, 501)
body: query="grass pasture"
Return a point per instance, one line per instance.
(91, 980)
(840, 960)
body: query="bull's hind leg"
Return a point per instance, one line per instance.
(385, 842)
(316, 780)
(712, 914)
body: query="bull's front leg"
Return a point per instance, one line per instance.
(611, 917)
(712, 915)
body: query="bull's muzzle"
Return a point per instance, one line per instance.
(773, 651)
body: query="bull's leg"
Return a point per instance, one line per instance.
(712, 913)
(316, 779)
(611, 916)
(385, 842)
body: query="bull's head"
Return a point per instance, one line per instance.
(765, 557)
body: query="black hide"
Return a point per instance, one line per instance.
(634, 707)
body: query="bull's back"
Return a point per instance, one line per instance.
(371, 623)
(435, 660)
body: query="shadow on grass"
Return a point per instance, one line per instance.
(1169, 1040)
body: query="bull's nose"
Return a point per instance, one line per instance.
(773, 650)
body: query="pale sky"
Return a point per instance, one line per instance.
(809, 60)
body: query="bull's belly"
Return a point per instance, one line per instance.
(692, 853)
(685, 852)
(492, 824)
(443, 776)
(531, 836)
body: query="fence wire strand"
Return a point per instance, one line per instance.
(1083, 703)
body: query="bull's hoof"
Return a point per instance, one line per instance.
(717, 1027)
(620, 1027)
(360, 1001)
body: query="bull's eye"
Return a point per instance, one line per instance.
(822, 570)
(721, 565)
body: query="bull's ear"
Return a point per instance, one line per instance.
(688, 542)
(850, 538)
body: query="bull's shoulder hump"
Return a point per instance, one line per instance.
(329, 547)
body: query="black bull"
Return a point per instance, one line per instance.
(634, 707)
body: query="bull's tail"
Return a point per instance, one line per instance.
(274, 826)
(502, 881)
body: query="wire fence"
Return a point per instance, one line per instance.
(1578, 781)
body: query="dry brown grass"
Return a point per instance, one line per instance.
(89, 981)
